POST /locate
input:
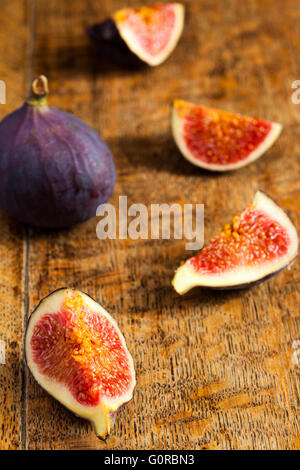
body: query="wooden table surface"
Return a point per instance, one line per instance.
(214, 369)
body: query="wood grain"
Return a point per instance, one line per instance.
(14, 68)
(214, 369)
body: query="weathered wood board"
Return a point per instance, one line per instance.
(214, 369)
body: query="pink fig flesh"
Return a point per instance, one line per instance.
(257, 244)
(76, 351)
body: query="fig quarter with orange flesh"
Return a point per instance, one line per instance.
(256, 245)
(77, 353)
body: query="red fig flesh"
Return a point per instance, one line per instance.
(77, 353)
(217, 140)
(149, 32)
(54, 169)
(259, 242)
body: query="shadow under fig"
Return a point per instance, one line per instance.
(77, 60)
(109, 44)
(99, 50)
(158, 152)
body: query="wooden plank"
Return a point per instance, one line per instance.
(214, 369)
(14, 66)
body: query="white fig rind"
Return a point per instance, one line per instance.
(186, 277)
(133, 43)
(101, 416)
(178, 133)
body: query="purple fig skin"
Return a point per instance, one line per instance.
(54, 169)
(111, 46)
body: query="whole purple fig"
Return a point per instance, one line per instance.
(54, 169)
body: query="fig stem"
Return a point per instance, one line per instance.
(39, 91)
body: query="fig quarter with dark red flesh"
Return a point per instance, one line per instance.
(218, 140)
(257, 244)
(77, 353)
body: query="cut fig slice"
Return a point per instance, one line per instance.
(77, 353)
(217, 140)
(259, 243)
(151, 32)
